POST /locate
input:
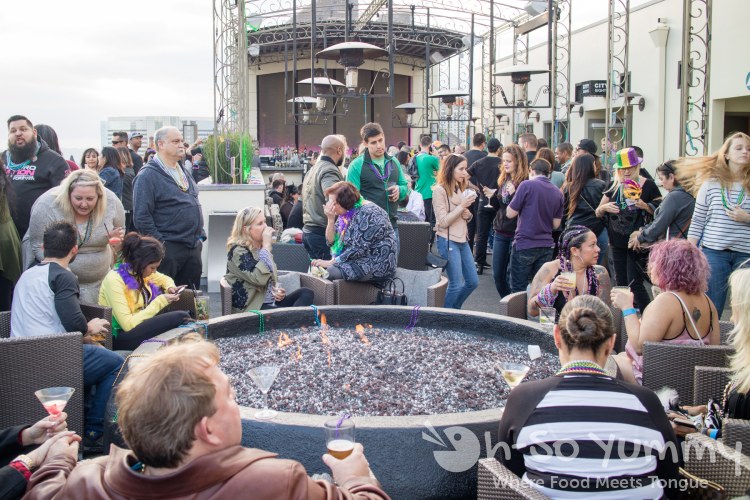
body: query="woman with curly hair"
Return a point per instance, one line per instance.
(514, 169)
(721, 219)
(683, 314)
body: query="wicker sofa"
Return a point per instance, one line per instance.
(713, 460)
(323, 290)
(497, 482)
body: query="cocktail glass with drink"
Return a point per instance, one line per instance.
(54, 399)
(513, 373)
(264, 377)
(339, 437)
(547, 317)
(489, 196)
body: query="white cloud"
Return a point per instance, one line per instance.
(72, 64)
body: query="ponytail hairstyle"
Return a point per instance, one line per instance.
(140, 251)
(574, 237)
(586, 323)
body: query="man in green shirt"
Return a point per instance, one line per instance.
(427, 166)
(378, 177)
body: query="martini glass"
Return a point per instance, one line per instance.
(263, 377)
(513, 373)
(492, 193)
(54, 399)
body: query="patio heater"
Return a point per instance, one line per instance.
(450, 97)
(520, 76)
(409, 108)
(351, 55)
(306, 104)
(322, 86)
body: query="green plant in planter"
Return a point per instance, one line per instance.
(219, 150)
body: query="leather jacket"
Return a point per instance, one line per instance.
(231, 473)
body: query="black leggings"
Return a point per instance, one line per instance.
(630, 270)
(129, 341)
(301, 297)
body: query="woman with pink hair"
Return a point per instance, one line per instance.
(682, 314)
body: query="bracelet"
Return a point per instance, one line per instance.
(26, 461)
(628, 312)
(545, 296)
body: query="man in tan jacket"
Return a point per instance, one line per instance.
(178, 415)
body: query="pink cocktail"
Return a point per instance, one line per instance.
(54, 399)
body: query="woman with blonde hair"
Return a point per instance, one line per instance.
(97, 213)
(251, 271)
(451, 201)
(514, 169)
(721, 219)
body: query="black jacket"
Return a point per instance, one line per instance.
(12, 482)
(588, 200)
(162, 210)
(31, 181)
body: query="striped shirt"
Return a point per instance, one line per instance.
(589, 436)
(712, 226)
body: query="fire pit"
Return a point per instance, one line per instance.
(428, 451)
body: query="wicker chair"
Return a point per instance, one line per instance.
(713, 460)
(354, 293)
(709, 382)
(28, 364)
(736, 432)
(290, 257)
(495, 481)
(414, 243)
(670, 365)
(324, 292)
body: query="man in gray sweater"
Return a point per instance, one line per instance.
(166, 206)
(324, 174)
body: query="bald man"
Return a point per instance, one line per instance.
(324, 174)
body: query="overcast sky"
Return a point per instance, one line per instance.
(71, 64)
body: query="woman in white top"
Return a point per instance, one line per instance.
(721, 220)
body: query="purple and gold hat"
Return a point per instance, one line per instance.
(627, 158)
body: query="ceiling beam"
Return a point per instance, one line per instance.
(369, 13)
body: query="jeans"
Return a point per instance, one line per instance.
(462, 274)
(630, 270)
(485, 216)
(316, 245)
(301, 297)
(500, 260)
(722, 263)
(148, 329)
(602, 241)
(100, 367)
(524, 264)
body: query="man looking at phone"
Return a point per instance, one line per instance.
(46, 301)
(377, 176)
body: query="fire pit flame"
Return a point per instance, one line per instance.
(324, 338)
(284, 340)
(323, 321)
(299, 353)
(361, 332)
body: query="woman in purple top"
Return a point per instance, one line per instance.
(682, 314)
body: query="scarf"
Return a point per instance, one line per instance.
(342, 223)
(124, 271)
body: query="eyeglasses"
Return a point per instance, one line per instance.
(120, 141)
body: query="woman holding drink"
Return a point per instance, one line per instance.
(251, 271)
(99, 217)
(574, 273)
(682, 314)
(451, 201)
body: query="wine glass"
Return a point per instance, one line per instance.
(264, 377)
(275, 289)
(513, 373)
(489, 198)
(54, 399)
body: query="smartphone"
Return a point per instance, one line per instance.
(685, 422)
(178, 290)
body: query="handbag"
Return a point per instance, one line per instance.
(698, 488)
(434, 260)
(390, 295)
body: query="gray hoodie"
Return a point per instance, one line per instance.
(162, 210)
(674, 213)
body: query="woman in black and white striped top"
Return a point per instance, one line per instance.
(583, 434)
(721, 220)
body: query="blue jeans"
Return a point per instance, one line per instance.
(722, 263)
(316, 245)
(500, 260)
(602, 241)
(461, 271)
(100, 367)
(524, 264)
